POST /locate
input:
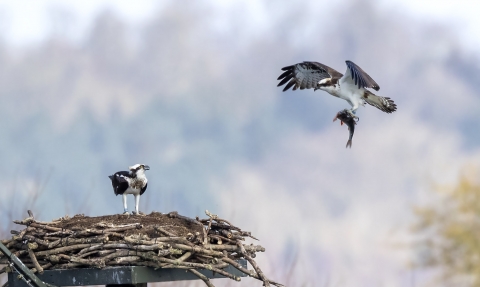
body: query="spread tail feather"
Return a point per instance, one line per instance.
(384, 104)
(349, 144)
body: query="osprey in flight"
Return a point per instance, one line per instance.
(130, 182)
(352, 87)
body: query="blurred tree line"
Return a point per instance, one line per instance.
(448, 231)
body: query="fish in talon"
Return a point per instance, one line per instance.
(345, 117)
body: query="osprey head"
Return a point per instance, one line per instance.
(327, 84)
(138, 167)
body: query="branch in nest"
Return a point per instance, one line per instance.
(62, 249)
(220, 225)
(201, 276)
(184, 257)
(254, 264)
(35, 262)
(46, 266)
(204, 266)
(220, 239)
(250, 273)
(175, 214)
(247, 233)
(162, 230)
(61, 233)
(110, 225)
(159, 241)
(219, 220)
(235, 248)
(96, 262)
(197, 249)
(44, 226)
(73, 241)
(19, 253)
(124, 260)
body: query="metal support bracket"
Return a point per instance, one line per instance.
(24, 274)
(120, 275)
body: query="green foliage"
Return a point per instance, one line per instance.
(449, 232)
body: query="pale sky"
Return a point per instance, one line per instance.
(24, 22)
(459, 14)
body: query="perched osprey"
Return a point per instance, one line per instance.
(130, 182)
(351, 87)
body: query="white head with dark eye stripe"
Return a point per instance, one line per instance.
(139, 169)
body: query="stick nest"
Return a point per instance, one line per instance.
(154, 240)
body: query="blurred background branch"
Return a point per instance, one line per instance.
(448, 231)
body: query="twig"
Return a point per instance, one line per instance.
(43, 226)
(200, 265)
(175, 214)
(209, 226)
(250, 273)
(226, 233)
(110, 225)
(124, 260)
(147, 255)
(162, 230)
(62, 249)
(198, 249)
(201, 276)
(97, 262)
(220, 225)
(46, 266)
(235, 248)
(184, 257)
(247, 233)
(254, 264)
(173, 239)
(35, 262)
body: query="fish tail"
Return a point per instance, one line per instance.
(349, 144)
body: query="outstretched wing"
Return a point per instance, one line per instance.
(384, 104)
(306, 75)
(358, 77)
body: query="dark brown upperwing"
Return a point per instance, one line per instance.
(360, 77)
(306, 75)
(334, 74)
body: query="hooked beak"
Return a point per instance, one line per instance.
(146, 167)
